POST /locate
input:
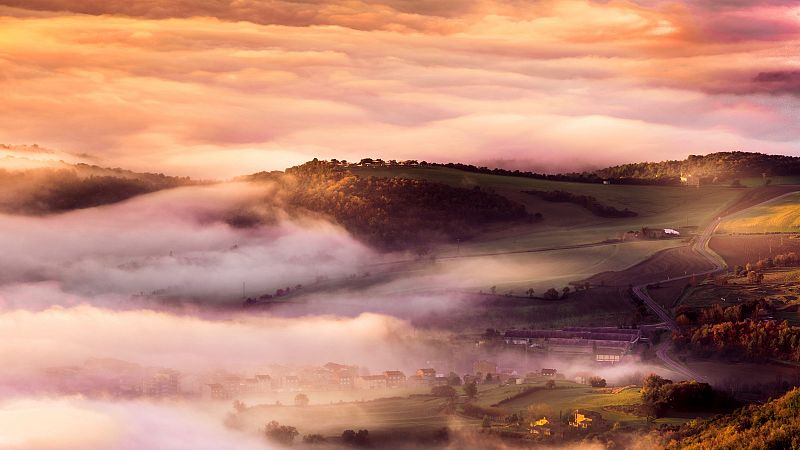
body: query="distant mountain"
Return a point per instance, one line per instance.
(714, 167)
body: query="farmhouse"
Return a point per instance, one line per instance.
(659, 233)
(585, 419)
(541, 427)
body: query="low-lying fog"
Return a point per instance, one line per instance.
(157, 281)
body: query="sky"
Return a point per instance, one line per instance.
(219, 88)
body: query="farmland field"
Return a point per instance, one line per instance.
(568, 224)
(779, 216)
(568, 396)
(743, 249)
(419, 413)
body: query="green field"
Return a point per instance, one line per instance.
(759, 181)
(567, 224)
(778, 216)
(417, 414)
(569, 396)
(421, 413)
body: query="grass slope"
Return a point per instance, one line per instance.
(568, 224)
(780, 215)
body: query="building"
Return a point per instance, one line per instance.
(215, 391)
(163, 383)
(484, 367)
(690, 180)
(427, 376)
(585, 419)
(372, 382)
(659, 233)
(541, 427)
(549, 372)
(600, 344)
(395, 378)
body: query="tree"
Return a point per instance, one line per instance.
(551, 384)
(443, 391)
(565, 292)
(486, 422)
(453, 379)
(551, 294)
(493, 290)
(597, 382)
(314, 439)
(530, 292)
(281, 434)
(471, 389)
(239, 406)
(301, 400)
(359, 438)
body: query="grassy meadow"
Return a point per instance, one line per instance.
(779, 216)
(567, 224)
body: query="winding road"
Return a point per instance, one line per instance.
(700, 246)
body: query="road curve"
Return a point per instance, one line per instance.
(700, 246)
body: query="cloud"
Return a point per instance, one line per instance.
(175, 244)
(56, 337)
(216, 89)
(94, 425)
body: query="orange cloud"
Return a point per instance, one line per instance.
(217, 89)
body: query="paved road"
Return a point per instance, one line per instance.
(718, 264)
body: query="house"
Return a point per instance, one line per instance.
(163, 383)
(394, 378)
(343, 380)
(549, 372)
(541, 427)
(484, 367)
(440, 380)
(427, 375)
(659, 233)
(291, 382)
(215, 391)
(690, 180)
(372, 382)
(585, 419)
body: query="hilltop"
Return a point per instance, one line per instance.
(711, 168)
(388, 213)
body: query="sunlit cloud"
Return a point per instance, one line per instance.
(217, 89)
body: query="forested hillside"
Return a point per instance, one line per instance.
(47, 190)
(712, 167)
(773, 425)
(389, 213)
